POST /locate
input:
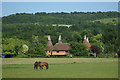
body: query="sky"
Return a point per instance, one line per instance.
(60, 0)
(9, 8)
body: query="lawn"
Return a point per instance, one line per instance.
(79, 68)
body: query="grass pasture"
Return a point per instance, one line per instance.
(61, 68)
(108, 20)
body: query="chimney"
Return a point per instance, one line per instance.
(85, 37)
(59, 41)
(49, 38)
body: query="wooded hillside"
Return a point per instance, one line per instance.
(32, 30)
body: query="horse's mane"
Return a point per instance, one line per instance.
(39, 62)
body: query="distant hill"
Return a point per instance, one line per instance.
(58, 18)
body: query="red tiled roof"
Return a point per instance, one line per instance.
(59, 41)
(61, 46)
(49, 46)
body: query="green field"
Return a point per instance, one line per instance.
(61, 68)
(108, 20)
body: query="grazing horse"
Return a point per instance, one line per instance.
(41, 64)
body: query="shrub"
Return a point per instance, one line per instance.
(34, 55)
(21, 56)
(69, 55)
(95, 49)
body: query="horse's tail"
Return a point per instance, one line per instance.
(46, 66)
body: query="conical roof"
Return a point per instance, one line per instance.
(49, 44)
(59, 41)
(87, 44)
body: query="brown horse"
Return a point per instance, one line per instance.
(42, 64)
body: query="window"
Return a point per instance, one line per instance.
(57, 51)
(66, 51)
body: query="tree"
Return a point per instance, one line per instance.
(13, 45)
(110, 38)
(78, 49)
(97, 40)
(25, 48)
(39, 49)
(76, 37)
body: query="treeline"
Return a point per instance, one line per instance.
(27, 33)
(57, 18)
